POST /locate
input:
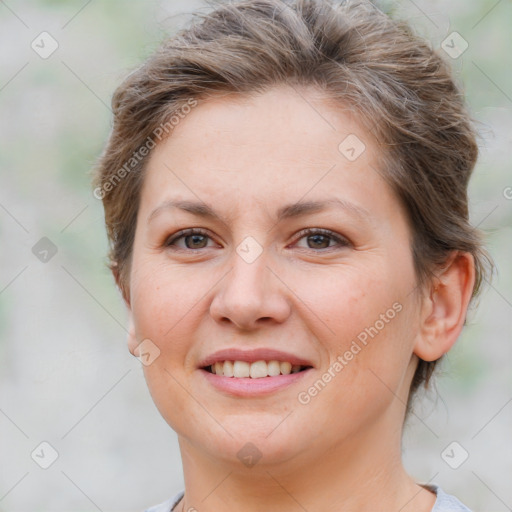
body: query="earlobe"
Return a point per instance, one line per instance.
(444, 307)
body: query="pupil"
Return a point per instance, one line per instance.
(316, 237)
(196, 239)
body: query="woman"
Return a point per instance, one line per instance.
(285, 192)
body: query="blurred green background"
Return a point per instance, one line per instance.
(66, 376)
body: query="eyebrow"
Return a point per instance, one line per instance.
(298, 209)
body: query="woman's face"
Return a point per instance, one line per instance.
(338, 300)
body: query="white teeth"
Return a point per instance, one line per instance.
(241, 369)
(256, 370)
(286, 368)
(228, 369)
(273, 368)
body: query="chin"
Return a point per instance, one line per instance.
(255, 442)
(263, 437)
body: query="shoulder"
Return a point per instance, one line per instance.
(446, 502)
(168, 505)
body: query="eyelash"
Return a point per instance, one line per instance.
(342, 242)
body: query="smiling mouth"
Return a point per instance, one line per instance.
(256, 370)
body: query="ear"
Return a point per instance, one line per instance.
(131, 338)
(444, 307)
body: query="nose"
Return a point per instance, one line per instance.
(251, 295)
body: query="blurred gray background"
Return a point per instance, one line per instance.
(66, 376)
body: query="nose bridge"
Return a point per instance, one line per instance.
(249, 263)
(247, 282)
(247, 294)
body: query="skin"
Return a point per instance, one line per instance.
(247, 156)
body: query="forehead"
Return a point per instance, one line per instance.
(278, 146)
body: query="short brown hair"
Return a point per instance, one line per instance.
(400, 87)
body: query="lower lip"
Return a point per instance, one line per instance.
(246, 386)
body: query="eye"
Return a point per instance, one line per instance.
(321, 238)
(194, 238)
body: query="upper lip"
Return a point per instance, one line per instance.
(250, 356)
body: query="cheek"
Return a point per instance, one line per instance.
(341, 302)
(362, 318)
(164, 303)
(164, 300)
